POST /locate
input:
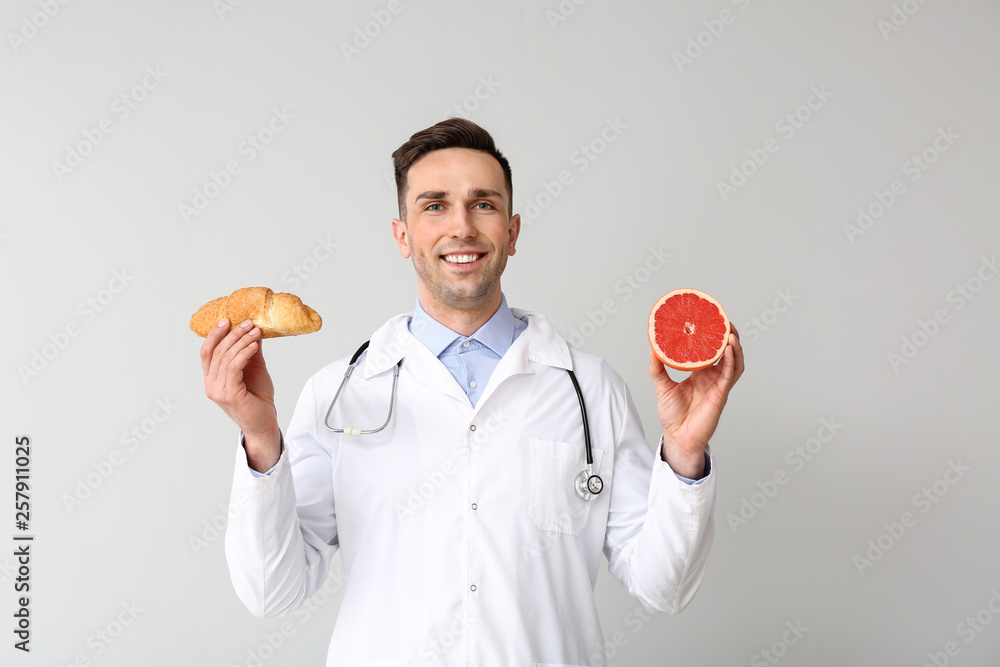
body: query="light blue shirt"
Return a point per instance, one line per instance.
(471, 360)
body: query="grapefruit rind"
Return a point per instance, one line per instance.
(694, 365)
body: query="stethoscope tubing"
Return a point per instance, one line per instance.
(353, 430)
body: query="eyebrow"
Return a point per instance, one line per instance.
(475, 193)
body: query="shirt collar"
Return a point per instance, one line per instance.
(538, 343)
(497, 334)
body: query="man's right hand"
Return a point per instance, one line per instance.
(236, 379)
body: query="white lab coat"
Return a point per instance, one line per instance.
(461, 536)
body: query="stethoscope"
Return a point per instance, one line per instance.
(587, 485)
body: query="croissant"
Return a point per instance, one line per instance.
(277, 314)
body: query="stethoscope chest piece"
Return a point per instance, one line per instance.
(588, 485)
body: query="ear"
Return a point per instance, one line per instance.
(513, 231)
(399, 233)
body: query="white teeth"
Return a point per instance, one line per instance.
(461, 259)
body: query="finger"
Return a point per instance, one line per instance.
(737, 346)
(728, 364)
(256, 357)
(234, 370)
(229, 347)
(732, 330)
(226, 344)
(229, 335)
(658, 372)
(215, 334)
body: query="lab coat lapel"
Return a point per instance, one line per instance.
(393, 341)
(514, 362)
(540, 343)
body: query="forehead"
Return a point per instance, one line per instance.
(463, 167)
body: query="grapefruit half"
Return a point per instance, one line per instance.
(688, 329)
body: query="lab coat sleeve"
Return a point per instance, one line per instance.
(279, 547)
(660, 529)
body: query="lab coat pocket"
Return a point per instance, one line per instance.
(553, 502)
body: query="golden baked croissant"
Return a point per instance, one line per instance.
(277, 314)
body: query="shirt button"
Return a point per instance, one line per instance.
(472, 428)
(472, 588)
(472, 383)
(465, 344)
(475, 506)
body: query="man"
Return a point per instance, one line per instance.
(461, 532)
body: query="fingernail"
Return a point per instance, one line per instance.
(224, 322)
(254, 331)
(246, 325)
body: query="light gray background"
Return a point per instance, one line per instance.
(555, 84)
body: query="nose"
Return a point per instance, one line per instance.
(461, 224)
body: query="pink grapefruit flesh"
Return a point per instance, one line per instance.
(688, 329)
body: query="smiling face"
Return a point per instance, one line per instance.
(457, 230)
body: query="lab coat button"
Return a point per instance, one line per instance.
(472, 588)
(472, 428)
(475, 506)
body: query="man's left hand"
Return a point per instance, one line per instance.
(689, 411)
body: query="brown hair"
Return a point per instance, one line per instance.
(451, 133)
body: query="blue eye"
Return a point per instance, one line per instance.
(485, 203)
(429, 207)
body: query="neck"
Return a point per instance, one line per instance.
(465, 321)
